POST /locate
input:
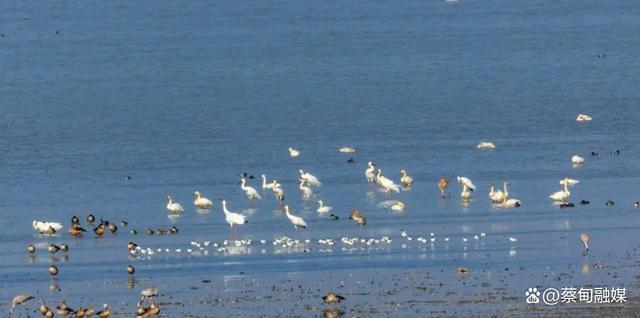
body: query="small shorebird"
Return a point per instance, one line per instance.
(584, 238)
(173, 207)
(149, 293)
(99, 230)
(443, 183)
(31, 249)
(332, 297)
(201, 202)
(131, 270)
(405, 179)
(63, 309)
(357, 217)
(19, 300)
(53, 248)
(76, 230)
(295, 220)
(53, 271)
(293, 152)
(251, 193)
(323, 208)
(105, 312)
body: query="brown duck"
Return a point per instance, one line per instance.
(359, 218)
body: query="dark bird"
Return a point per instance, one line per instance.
(173, 230)
(31, 249)
(91, 218)
(53, 270)
(75, 220)
(53, 248)
(610, 203)
(584, 202)
(76, 230)
(99, 230)
(132, 246)
(64, 247)
(131, 269)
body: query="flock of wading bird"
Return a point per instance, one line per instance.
(307, 182)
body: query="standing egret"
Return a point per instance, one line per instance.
(385, 183)
(252, 194)
(232, 218)
(295, 220)
(309, 178)
(370, 172)
(306, 191)
(405, 179)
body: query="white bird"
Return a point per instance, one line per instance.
(569, 181)
(506, 201)
(466, 181)
(495, 195)
(173, 207)
(296, 220)
(306, 191)
(293, 152)
(465, 194)
(370, 172)
(405, 179)
(386, 183)
(309, 178)
(484, 145)
(268, 185)
(250, 191)
(46, 227)
(201, 202)
(576, 160)
(561, 195)
(583, 117)
(149, 293)
(398, 206)
(277, 190)
(231, 217)
(347, 149)
(323, 208)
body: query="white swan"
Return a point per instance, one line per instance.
(506, 201)
(250, 191)
(231, 217)
(386, 183)
(561, 195)
(583, 117)
(46, 227)
(569, 181)
(265, 184)
(496, 196)
(306, 191)
(309, 178)
(173, 207)
(369, 173)
(296, 220)
(485, 145)
(323, 208)
(398, 206)
(293, 152)
(405, 179)
(466, 181)
(347, 149)
(576, 160)
(201, 202)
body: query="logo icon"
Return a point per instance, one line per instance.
(551, 296)
(532, 296)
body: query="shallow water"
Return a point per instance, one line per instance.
(186, 97)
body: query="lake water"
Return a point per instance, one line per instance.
(187, 96)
